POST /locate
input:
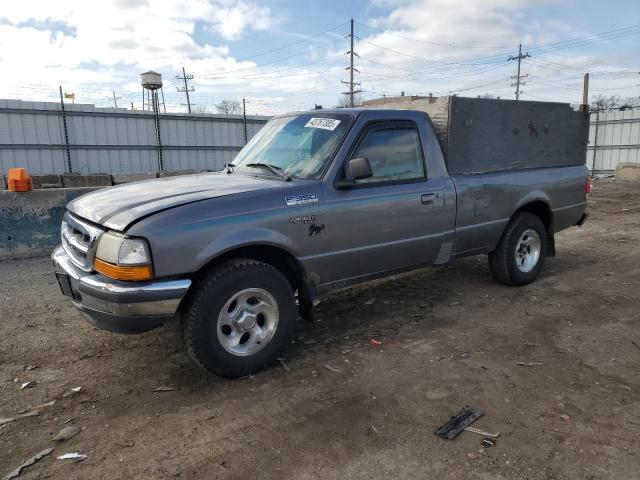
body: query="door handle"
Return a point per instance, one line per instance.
(428, 198)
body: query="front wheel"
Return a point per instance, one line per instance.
(239, 318)
(521, 253)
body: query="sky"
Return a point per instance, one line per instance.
(284, 55)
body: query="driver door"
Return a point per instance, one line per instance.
(394, 220)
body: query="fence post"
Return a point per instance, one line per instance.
(244, 120)
(595, 141)
(156, 114)
(66, 132)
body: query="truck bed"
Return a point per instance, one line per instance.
(485, 202)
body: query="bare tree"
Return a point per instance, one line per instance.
(198, 108)
(631, 102)
(603, 102)
(344, 101)
(229, 107)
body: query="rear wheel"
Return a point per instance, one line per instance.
(239, 318)
(521, 253)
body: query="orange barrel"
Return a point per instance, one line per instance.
(19, 180)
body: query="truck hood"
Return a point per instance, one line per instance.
(118, 207)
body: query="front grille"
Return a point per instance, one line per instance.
(79, 240)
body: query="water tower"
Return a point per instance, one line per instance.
(152, 82)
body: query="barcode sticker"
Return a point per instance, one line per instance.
(324, 123)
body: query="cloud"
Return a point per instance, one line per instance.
(415, 46)
(73, 42)
(444, 46)
(233, 19)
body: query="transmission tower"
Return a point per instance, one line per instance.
(352, 91)
(518, 77)
(186, 89)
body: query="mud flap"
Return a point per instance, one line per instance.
(306, 294)
(551, 242)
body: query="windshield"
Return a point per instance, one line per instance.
(297, 146)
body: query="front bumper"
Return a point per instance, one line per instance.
(118, 306)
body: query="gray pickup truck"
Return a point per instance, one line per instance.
(319, 201)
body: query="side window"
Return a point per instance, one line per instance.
(394, 154)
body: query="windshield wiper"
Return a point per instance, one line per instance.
(272, 168)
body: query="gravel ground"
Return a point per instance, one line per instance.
(554, 365)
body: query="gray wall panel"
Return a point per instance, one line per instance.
(105, 140)
(617, 140)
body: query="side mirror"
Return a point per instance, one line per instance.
(355, 169)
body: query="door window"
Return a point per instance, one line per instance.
(394, 153)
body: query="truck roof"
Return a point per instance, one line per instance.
(355, 111)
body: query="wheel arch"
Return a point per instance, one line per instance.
(539, 206)
(276, 256)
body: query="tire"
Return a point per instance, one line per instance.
(515, 262)
(242, 299)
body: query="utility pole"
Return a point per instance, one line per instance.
(352, 91)
(186, 89)
(518, 78)
(115, 99)
(585, 94)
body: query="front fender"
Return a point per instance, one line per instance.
(245, 238)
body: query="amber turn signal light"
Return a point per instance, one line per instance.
(123, 273)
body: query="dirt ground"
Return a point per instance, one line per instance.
(450, 337)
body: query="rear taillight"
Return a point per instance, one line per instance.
(587, 186)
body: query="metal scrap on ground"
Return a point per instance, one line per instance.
(4, 421)
(67, 433)
(75, 456)
(456, 424)
(331, 368)
(27, 463)
(166, 388)
(481, 432)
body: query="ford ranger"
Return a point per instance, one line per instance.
(316, 202)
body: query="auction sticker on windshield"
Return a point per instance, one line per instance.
(324, 123)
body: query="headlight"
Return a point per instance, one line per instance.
(123, 258)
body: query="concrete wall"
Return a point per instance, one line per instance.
(628, 172)
(30, 221)
(115, 141)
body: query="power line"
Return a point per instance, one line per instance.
(429, 42)
(253, 67)
(306, 39)
(257, 75)
(426, 73)
(580, 41)
(479, 61)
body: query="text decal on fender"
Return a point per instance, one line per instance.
(303, 219)
(300, 199)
